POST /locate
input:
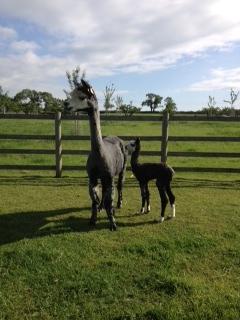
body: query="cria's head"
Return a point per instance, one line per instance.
(82, 98)
(133, 145)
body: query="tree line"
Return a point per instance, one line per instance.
(30, 102)
(37, 102)
(212, 109)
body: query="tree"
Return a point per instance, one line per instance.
(211, 105)
(74, 78)
(233, 99)
(153, 101)
(129, 109)
(5, 100)
(170, 105)
(49, 104)
(28, 100)
(118, 102)
(108, 97)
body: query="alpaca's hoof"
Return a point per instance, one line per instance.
(100, 207)
(161, 220)
(119, 205)
(142, 211)
(113, 227)
(92, 222)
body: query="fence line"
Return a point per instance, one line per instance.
(143, 138)
(195, 154)
(119, 117)
(79, 168)
(59, 152)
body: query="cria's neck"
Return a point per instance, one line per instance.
(135, 159)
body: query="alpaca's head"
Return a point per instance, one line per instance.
(82, 98)
(133, 145)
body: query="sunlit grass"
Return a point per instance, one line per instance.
(53, 266)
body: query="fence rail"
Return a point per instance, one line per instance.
(143, 138)
(164, 139)
(117, 117)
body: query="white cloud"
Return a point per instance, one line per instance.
(7, 33)
(219, 79)
(22, 46)
(113, 36)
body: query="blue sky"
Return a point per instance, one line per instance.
(185, 49)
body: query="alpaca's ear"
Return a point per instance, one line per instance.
(87, 89)
(138, 140)
(85, 84)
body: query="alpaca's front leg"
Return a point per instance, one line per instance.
(171, 198)
(93, 184)
(101, 205)
(108, 204)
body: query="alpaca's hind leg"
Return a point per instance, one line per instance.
(164, 200)
(143, 196)
(93, 184)
(108, 204)
(148, 199)
(119, 189)
(171, 198)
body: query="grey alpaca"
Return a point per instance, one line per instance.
(107, 157)
(144, 172)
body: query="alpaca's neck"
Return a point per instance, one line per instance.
(135, 159)
(95, 132)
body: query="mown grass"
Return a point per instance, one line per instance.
(53, 266)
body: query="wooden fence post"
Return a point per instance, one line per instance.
(164, 144)
(58, 144)
(76, 124)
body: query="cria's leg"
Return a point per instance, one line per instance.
(93, 185)
(164, 199)
(143, 195)
(148, 199)
(171, 198)
(108, 204)
(119, 188)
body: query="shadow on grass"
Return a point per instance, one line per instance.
(130, 182)
(34, 224)
(40, 181)
(206, 183)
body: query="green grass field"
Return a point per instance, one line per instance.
(53, 266)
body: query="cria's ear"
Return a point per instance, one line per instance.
(138, 140)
